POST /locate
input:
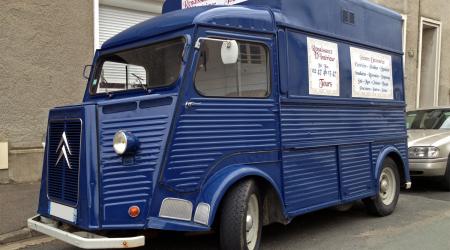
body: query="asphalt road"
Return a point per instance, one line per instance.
(421, 221)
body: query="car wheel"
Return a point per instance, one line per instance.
(385, 201)
(241, 218)
(446, 181)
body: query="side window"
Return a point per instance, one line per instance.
(249, 77)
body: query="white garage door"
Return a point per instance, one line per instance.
(113, 20)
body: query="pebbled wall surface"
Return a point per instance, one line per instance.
(44, 45)
(414, 10)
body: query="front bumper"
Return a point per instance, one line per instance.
(428, 167)
(81, 239)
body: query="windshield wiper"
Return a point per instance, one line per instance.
(105, 82)
(140, 80)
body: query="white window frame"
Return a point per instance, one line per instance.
(404, 30)
(96, 24)
(438, 26)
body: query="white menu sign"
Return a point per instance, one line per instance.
(186, 4)
(371, 74)
(323, 64)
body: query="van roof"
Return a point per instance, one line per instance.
(242, 17)
(359, 21)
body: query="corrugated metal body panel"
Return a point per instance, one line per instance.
(310, 177)
(356, 170)
(129, 180)
(357, 133)
(304, 124)
(377, 147)
(113, 20)
(216, 128)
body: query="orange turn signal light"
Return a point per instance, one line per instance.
(134, 211)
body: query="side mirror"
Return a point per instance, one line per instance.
(230, 52)
(87, 71)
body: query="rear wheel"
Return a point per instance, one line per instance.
(385, 201)
(241, 218)
(446, 181)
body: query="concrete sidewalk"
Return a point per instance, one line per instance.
(18, 202)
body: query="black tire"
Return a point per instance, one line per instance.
(446, 180)
(234, 214)
(375, 205)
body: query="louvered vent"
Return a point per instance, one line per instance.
(348, 17)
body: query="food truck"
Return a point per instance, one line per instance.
(228, 115)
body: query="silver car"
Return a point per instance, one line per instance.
(429, 143)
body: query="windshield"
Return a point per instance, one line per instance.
(149, 67)
(428, 119)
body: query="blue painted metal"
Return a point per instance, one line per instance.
(129, 180)
(315, 151)
(217, 185)
(384, 150)
(242, 18)
(310, 177)
(88, 198)
(215, 129)
(357, 177)
(324, 16)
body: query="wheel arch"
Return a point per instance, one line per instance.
(220, 184)
(402, 164)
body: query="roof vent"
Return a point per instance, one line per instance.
(348, 17)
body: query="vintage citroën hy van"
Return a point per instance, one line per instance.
(229, 117)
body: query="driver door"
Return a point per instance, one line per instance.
(230, 113)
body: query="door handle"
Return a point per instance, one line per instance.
(190, 104)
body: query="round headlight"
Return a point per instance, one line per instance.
(125, 143)
(120, 142)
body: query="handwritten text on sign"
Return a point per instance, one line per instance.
(195, 3)
(323, 63)
(371, 74)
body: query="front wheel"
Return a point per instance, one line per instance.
(241, 218)
(446, 180)
(385, 201)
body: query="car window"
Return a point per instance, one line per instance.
(410, 119)
(249, 77)
(428, 119)
(446, 124)
(149, 67)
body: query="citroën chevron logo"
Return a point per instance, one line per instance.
(64, 150)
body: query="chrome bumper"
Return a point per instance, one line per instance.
(428, 167)
(82, 239)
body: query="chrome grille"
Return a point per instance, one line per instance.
(63, 167)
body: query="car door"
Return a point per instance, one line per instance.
(230, 112)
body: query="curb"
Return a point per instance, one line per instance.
(18, 235)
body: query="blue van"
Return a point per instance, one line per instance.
(229, 115)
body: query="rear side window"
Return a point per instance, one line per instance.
(248, 78)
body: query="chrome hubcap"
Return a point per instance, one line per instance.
(388, 186)
(384, 186)
(249, 222)
(252, 222)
